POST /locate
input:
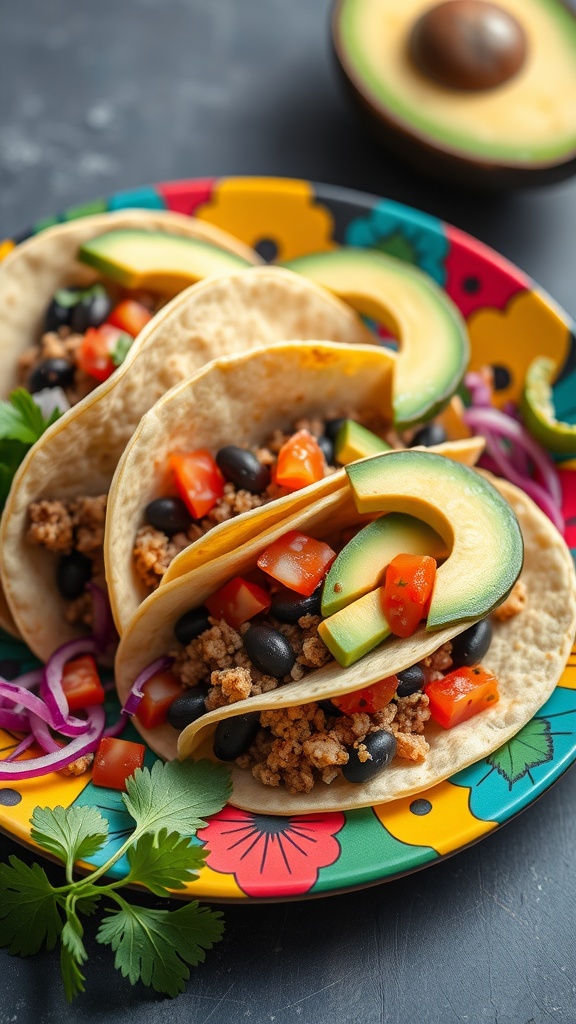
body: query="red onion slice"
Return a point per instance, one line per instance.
(530, 487)
(22, 746)
(18, 721)
(135, 695)
(480, 392)
(103, 628)
(43, 736)
(482, 420)
(51, 688)
(35, 766)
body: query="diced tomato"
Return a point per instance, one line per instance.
(370, 699)
(300, 462)
(159, 693)
(97, 352)
(115, 760)
(407, 592)
(198, 480)
(298, 561)
(238, 601)
(130, 316)
(81, 683)
(461, 694)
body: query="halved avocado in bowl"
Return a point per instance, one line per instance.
(482, 93)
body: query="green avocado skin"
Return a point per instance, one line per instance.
(476, 522)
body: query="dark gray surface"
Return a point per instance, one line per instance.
(97, 97)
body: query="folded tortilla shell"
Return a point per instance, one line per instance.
(79, 454)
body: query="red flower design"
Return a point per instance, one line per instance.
(186, 196)
(270, 855)
(476, 276)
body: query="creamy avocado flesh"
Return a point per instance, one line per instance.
(529, 118)
(472, 518)
(434, 348)
(156, 260)
(361, 564)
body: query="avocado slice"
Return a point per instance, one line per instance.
(434, 347)
(538, 410)
(475, 521)
(156, 260)
(361, 563)
(521, 131)
(356, 629)
(353, 441)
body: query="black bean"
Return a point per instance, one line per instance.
(241, 467)
(381, 746)
(187, 708)
(469, 647)
(91, 310)
(329, 708)
(269, 650)
(169, 515)
(51, 373)
(331, 427)
(327, 447)
(410, 681)
(60, 309)
(288, 606)
(234, 736)
(73, 572)
(433, 433)
(191, 625)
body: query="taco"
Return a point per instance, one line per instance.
(66, 326)
(290, 738)
(71, 468)
(244, 442)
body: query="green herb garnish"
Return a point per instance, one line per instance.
(121, 348)
(168, 804)
(21, 425)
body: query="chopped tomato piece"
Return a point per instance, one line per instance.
(81, 683)
(102, 350)
(238, 601)
(159, 693)
(300, 461)
(298, 561)
(370, 699)
(198, 480)
(407, 592)
(130, 316)
(115, 760)
(461, 694)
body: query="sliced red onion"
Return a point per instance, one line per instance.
(15, 720)
(43, 736)
(52, 762)
(480, 391)
(22, 746)
(135, 695)
(118, 726)
(29, 680)
(23, 698)
(482, 420)
(51, 688)
(103, 628)
(530, 487)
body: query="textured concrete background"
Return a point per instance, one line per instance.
(96, 97)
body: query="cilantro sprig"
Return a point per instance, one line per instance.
(21, 425)
(168, 804)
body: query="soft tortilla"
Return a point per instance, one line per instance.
(237, 400)
(34, 270)
(528, 654)
(79, 454)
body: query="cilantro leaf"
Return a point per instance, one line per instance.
(70, 833)
(162, 862)
(176, 796)
(72, 976)
(121, 348)
(155, 946)
(20, 418)
(29, 914)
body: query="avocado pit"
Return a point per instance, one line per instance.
(468, 44)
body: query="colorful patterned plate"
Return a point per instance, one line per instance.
(510, 321)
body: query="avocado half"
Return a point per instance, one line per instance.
(518, 132)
